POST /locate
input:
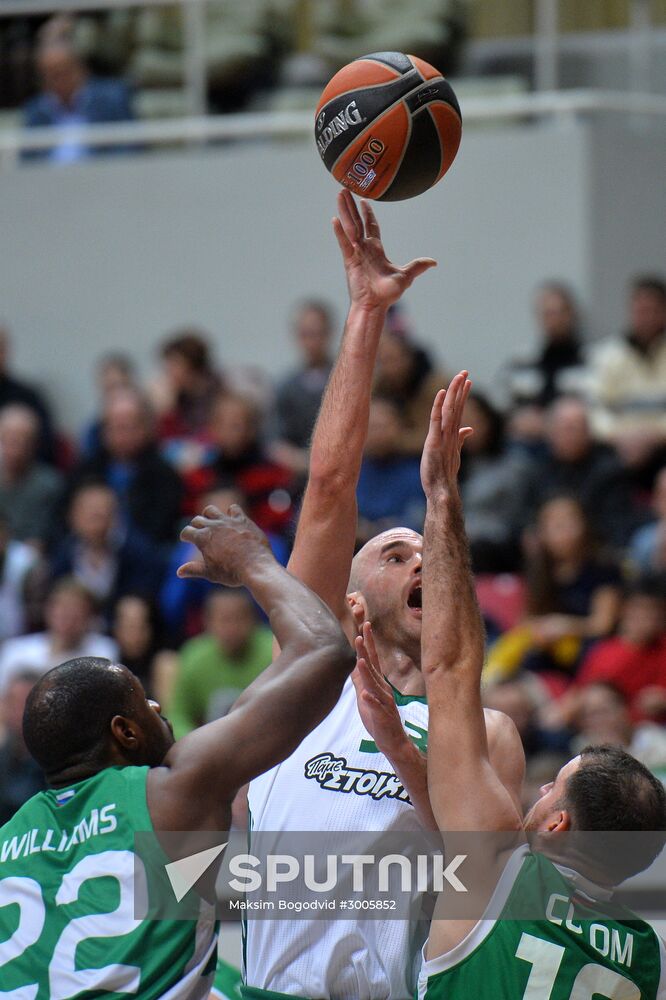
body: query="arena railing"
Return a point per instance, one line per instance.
(142, 136)
(545, 44)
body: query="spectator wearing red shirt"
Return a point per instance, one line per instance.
(239, 458)
(634, 661)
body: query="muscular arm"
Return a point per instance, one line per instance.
(452, 642)
(203, 771)
(324, 544)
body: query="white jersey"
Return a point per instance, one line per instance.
(337, 780)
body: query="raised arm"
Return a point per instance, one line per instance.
(324, 544)
(203, 771)
(465, 791)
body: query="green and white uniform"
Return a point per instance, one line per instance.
(67, 925)
(227, 985)
(337, 780)
(573, 953)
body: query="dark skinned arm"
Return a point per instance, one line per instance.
(201, 774)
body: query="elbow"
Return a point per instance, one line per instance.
(339, 655)
(329, 480)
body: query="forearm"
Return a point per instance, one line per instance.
(299, 620)
(341, 428)
(452, 632)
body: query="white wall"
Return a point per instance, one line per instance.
(114, 255)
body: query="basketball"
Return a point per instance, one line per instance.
(388, 126)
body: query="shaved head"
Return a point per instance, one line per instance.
(385, 582)
(364, 562)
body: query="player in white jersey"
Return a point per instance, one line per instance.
(364, 767)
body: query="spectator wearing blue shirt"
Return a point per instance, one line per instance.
(148, 489)
(110, 559)
(181, 602)
(389, 489)
(71, 99)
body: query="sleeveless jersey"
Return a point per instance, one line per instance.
(67, 926)
(575, 953)
(337, 780)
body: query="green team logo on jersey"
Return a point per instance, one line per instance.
(67, 890)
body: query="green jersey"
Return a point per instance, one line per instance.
(574, 953)
(67, 924)
(227, 983)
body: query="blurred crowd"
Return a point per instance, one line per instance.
(563, 485)
(115, 65)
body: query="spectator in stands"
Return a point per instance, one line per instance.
(30, 490)
(110, 559)
(114, 372)
(219, 664)
(389, 491)
(405, 374)
(69, 616)
(70, 98)
(574, 464)
(492, 485)
(299, 395)
(519, 699)
(184, 394)
(21, 583)
(545, 377)
(573, 597)
(181, 601)
(629, 385)
(240, 459)
(603, 717)
(635, 659)
(20, 775)
(648, 545)
(546, 749)
(13, 390)
(148, 489)
(138, 631)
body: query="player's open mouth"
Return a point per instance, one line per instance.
(414, 601)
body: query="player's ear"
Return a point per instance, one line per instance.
(126, 732)
(359, 609)
(559, 822)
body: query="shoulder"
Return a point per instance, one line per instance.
(47, 478)
(109, 90)
(101, 645)
(192, 652)
(25, 645)
(263, 639)
(499, 726)
(36, 112)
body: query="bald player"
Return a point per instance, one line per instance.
(67, 861)
(359, 770)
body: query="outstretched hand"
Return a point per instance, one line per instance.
(440, 462)
(374, 282)
(374, 696)
(229, 544)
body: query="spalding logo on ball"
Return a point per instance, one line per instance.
(388, 126)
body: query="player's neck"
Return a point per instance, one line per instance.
(400, 669)
(581, 862)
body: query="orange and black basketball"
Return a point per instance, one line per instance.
(388, 126)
